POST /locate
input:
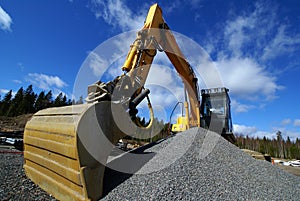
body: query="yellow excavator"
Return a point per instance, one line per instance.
(66, 148)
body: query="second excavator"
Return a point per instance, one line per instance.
(66, 148)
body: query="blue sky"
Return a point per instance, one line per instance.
(254, 45)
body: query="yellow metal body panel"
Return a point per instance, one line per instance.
(51, 153)
(181, 125)
(66, 148)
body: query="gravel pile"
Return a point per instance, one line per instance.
(210, 168)
(194, 165)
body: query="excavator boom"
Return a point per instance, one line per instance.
(156, 35)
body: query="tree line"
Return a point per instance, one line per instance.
(278, 148)
(27, 101)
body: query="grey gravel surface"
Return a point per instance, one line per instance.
(194, 165)
(13, 183)
(209, 169)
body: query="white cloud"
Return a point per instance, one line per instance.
(297, 122)
(45, 82)
(261, 134)
(281, 44)
(165, 86)
(250, 29)
(286, 122)
(97, 64)
(244, 130)
(235, 35)
(5, 20)
(240, 107)
(56, 92)
(117, 14)
(109, 56)
(239, 48)
(267, 35)
(162, 96)
(17, 81)
(292, 134)
(252, 131)
(262, 31)
(4, 91)
(171, 7)
(247, 79)
(163, 75)
(287, 132)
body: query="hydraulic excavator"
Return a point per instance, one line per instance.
(66, 148)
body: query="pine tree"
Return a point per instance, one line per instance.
(40, 102)
(0, 101)
(69, 102)
(280, 144)
(58, 100)
(6, 103)
(295, 153)
(298, 143)
(61, 100)
(80, 101)
(48, 99)
(278, 147)
(29, 100)
(64, 100)
(16, 107)
(288, 144)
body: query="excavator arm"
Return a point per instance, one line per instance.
(156, 35)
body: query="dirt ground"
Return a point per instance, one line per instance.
(291, 170)
(10, 124)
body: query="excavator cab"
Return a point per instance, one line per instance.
(216, 113)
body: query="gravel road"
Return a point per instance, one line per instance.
(194, 165)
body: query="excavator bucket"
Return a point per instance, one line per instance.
(66, 148)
